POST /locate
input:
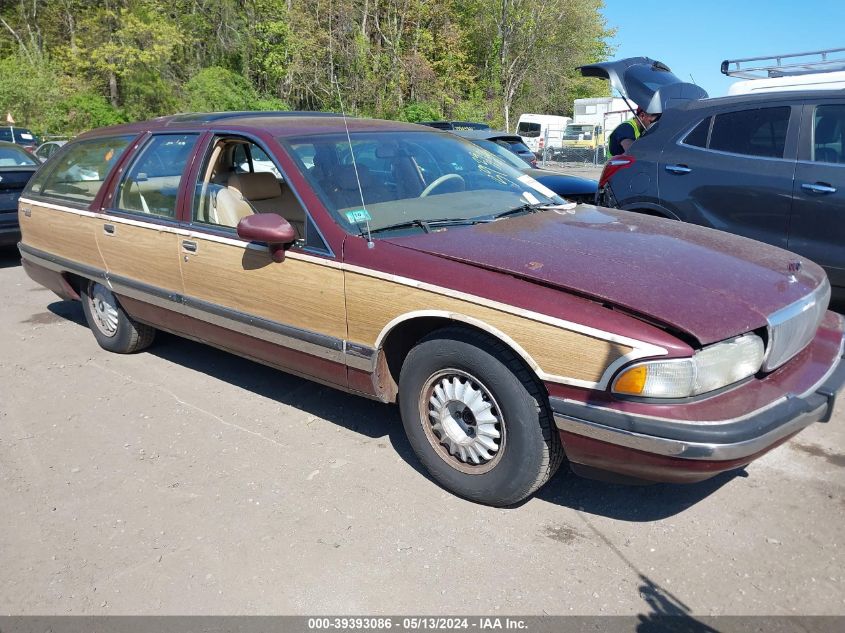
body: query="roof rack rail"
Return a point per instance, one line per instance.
(207, 117)
(824, 61)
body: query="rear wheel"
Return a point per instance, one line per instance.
(111, 326)
(476, 417)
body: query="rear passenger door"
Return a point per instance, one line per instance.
(733, 171)
(138, 239)
(817, 229)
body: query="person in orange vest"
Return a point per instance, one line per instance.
(629, 131)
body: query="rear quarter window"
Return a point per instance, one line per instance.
(758, 132)
(78, 172)
(698, 136)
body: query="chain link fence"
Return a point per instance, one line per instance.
(595, 156)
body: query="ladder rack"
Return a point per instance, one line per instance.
(824, 61)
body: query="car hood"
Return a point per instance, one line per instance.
(647, 82)
(558, 182)
(706, 283)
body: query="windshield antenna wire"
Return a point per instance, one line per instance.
(370, 243)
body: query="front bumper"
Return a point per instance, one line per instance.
(599, 440)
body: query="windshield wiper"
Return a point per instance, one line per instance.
(425, 225)
(528, 207)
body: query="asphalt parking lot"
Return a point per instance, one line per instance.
(186, 480)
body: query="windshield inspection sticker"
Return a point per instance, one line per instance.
(528, 180)
(358, 216)
(25, 136)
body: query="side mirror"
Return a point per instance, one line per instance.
(268, 227)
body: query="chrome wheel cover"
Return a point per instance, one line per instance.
(103, 308)
(462, 421)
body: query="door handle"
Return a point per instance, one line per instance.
(189, 246)
(818, 187)
(678, 169)
(108, 229)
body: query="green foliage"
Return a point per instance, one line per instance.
(69, 64)
(82, 111)
(28, 90)
(416, 112)
(216, 89)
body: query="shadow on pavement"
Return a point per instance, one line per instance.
(376, 420)
(668, 612)
(629, 503)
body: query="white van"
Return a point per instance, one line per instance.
(810, 81)
(538, 129)
(815, 70)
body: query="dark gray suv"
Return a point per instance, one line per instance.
(769, 166)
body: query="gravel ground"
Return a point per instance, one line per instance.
(186, 480)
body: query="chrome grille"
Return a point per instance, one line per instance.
(792, 328)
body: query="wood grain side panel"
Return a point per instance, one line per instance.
(62, 233)
(143, 253)
(293, 292)
(372, 303)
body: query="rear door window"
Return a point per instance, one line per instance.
(151, 186)
(829, 134)
(79, 172)
(758, 132)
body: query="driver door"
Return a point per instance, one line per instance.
(289, 314)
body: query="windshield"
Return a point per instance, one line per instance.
(419, 177)
(504, 153)
(11, 156)
(574, 131)
(528, 130)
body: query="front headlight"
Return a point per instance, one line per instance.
(711, 368)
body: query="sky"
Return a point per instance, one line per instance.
(692, 37)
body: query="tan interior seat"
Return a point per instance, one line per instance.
(228, 207)
(267, 195)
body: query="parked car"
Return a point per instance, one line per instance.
(456, 125)
(20, 136)
(769, 166)
(507, 146)
(16, 168)
(45, 150)
(405, 265)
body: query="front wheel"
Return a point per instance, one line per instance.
(476, 418)
(111, 326)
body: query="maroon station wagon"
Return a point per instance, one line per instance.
(515, 330)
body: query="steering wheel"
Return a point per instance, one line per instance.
(439, 181)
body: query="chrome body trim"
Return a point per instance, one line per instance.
(688, 450)
(298, 339)
(807, 313)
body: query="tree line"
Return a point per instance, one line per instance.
(70, 65)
